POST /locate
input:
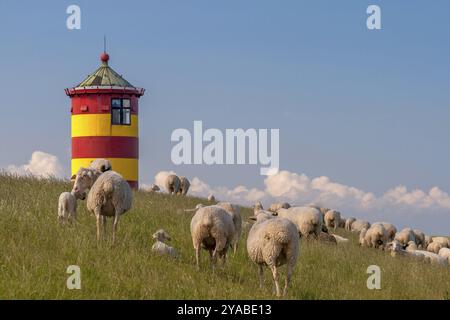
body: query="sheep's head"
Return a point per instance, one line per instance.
(84, 179)
(394, 246)
(257, 207)
(161, 235)
(263, 215)
(101, 165)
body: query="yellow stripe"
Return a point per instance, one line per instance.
(128, 168)
(99, 125)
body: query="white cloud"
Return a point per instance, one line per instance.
(41, 164)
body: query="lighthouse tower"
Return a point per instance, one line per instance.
(105, 122)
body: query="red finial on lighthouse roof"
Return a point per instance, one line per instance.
(104, 57)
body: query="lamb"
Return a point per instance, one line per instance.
(211, 198)
(212, 227)
(172, 184)
(358, 225)
(184, 186)
(340, 239)
(308, 220)
(67, 207)
(101, 165)
(273, 241)
(420, 238)
(275, 206)
(390, 228)
(348, 223)
(160, 247)
(332, 219)
(434, 247)
(376, 236)
(235, 212)
(445, 253)
(445, 242)
(405, 236)
(109, 195)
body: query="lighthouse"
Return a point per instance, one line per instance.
(104, 117)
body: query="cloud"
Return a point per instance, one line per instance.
(41, 164)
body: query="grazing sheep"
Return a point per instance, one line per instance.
(420, 238)
(211, 198)
(405, 236)
(358, 225)
(445, 253)
(273, 242)
(172, 184)
(184, 186)
(340, 239)
(235, 212)
(67, 207)
(213, 229)
(434, 247)
(390, 228)
(154, 188)
(376, 236)
(109, 195)
(308, 220)
(428, 240)
(160, 247)
(348, 223)
(275, 206)
(332, 219)
(445, 242)
(101, 165)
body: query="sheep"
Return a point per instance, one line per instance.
(308, 220)
(445, 253)
(212, 227)
(184, 186)
(433, 257)
(275, 206)
(211, 198)
(109, 195)
(340, 239)
(396, 249)
(327, 238)
(160, 247)
(405, 236)
(101, 165)
(348, 223)
(376, 236)
(390, 228)
(332, 219)
(257, 207)
(434, 247)
(445, 242)
(67, 207)
(420, 238)
(154, 188)
(412, 246)
(172, 184)
(273, 241)
(428, 240)
(235, 212)
(342, 223)
(358, 225)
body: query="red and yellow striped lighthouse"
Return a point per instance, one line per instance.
(105, 122)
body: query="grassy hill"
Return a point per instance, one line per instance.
(35, 252)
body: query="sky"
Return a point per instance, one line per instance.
(363, 114)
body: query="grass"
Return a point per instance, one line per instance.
(35, 252)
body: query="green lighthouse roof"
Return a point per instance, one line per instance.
(105, 76)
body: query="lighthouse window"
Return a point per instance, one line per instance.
(120, 111)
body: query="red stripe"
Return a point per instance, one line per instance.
(100, 103)
(133, 184)
(105, 147)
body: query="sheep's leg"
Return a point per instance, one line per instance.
(261, 276)
(276, 280)
(290, 269)
(116, 222)
(98, 218)
(104, 224)
(197, 255)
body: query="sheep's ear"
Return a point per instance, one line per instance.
(103, 168)
(73, 177)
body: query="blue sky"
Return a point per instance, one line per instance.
(368, 109)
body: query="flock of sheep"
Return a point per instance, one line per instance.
(273, 238)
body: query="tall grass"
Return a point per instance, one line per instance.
(35, 252)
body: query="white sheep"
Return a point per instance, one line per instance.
(184, 186)
(405, 236)
(109, 195)
(445, 242)
(420, 238)
(390, 229)
(340, 239)
(101, 165)
(235, 212)
(332, 219)
(358, 225)
(396, 249)
(160, 247)
(348, 223)
(67, 207)
(308, 220)
(445, 253)
(257, 207)
(211, 198)
(213, 229)
(275, 206)
(376, 236)
(433, 258)
(273, 242)
(172, 184)
(428, 240)
(434, 247)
